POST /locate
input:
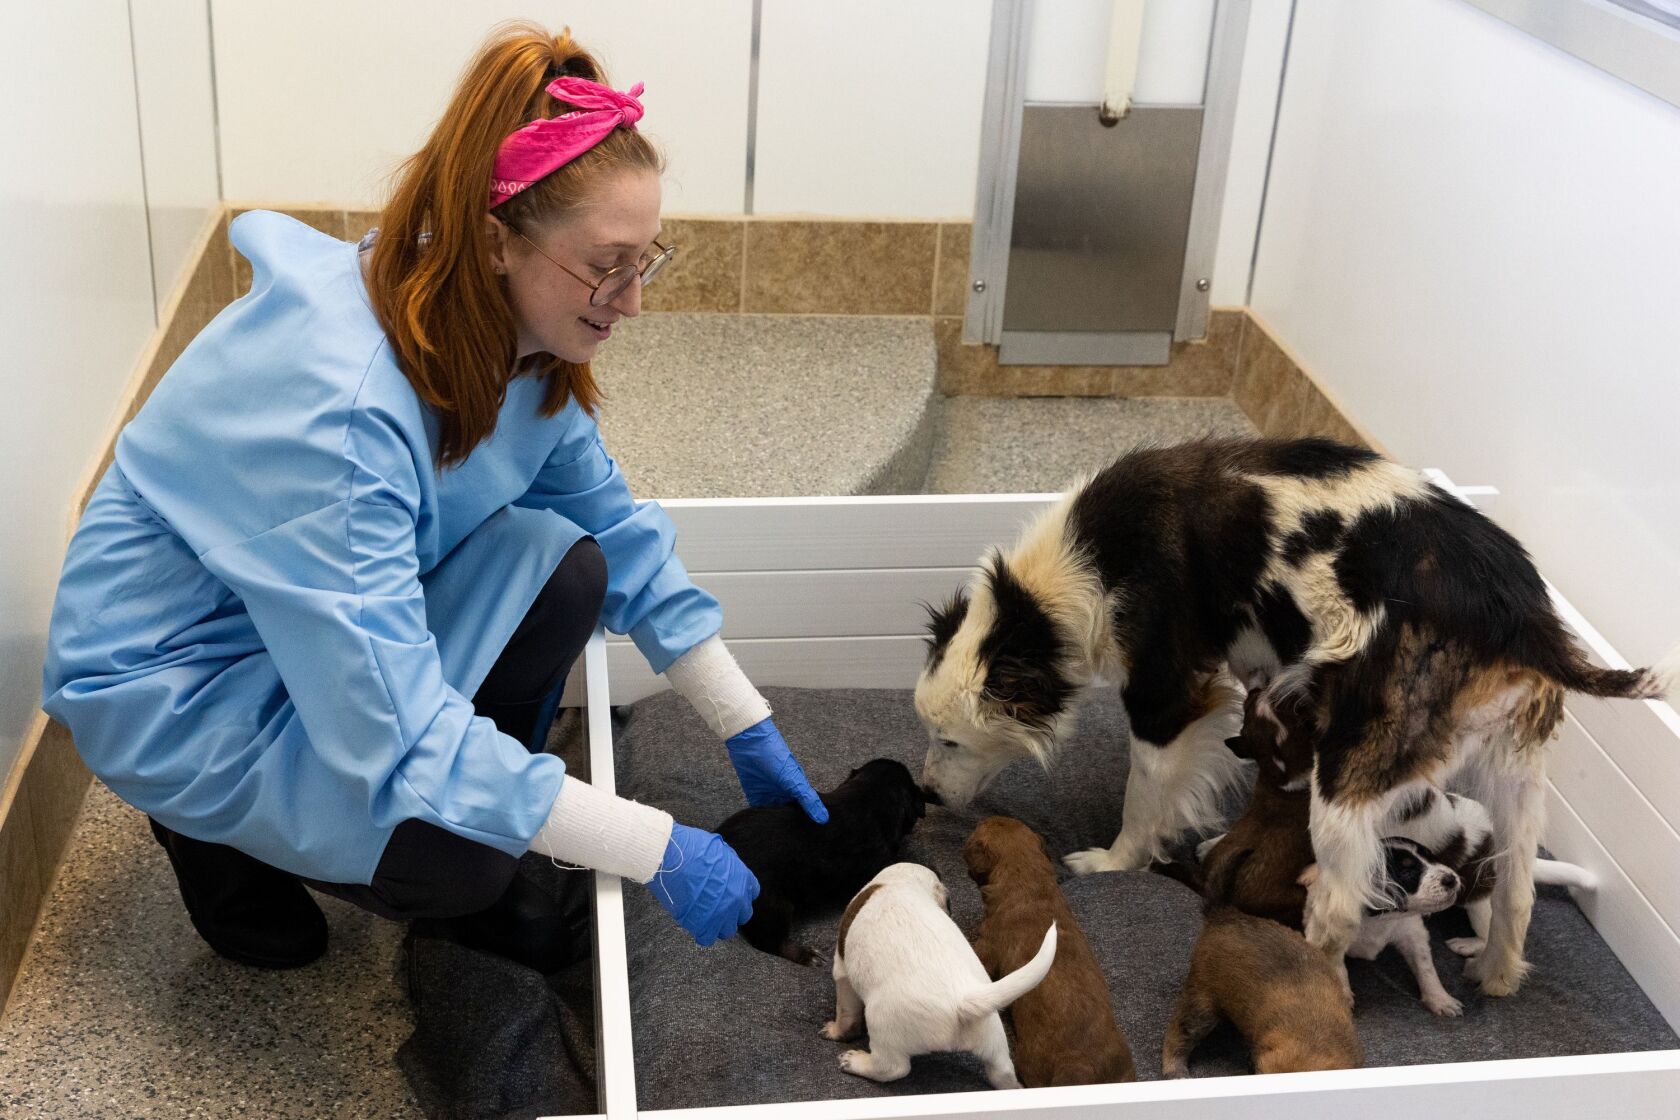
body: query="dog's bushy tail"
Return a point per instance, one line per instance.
(1011, 987)
(1572, 670)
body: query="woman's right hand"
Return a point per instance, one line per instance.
(704, 885)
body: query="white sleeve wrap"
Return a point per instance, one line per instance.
(593, 829)
(708, 678)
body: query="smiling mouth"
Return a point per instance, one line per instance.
(602, 329)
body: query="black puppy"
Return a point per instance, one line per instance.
(803, 866)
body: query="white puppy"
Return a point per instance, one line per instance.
(901, 956)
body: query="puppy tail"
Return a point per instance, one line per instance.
(1006, 990)
(1554, 872)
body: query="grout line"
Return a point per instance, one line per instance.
(938, 251)
(741, 301)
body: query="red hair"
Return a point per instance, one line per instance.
(440, 301)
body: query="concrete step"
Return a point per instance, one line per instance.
(707, 405)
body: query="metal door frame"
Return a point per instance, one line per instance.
(1000, 146)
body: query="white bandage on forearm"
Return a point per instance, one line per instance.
(708, 678)
(594, 829)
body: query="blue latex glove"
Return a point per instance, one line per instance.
(704, 885)
(768, 771)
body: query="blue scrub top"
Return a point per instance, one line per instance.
(275, 606)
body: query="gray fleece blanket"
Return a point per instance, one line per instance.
(731, 1025)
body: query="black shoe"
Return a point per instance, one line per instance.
(529, 924)
(244, 909)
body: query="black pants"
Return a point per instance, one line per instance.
(430, 872)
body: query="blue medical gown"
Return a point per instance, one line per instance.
(275, 606)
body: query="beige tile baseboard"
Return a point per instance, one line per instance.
(731, 266)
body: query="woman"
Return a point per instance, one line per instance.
(371, 489)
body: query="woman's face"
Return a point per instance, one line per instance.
(551, 309)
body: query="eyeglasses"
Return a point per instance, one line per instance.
(616, 281)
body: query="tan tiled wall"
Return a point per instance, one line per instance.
(50, 783)
(818, 267)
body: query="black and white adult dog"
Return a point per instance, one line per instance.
(1419, 632)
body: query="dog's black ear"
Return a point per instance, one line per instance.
(1022, 653)
(1238, 746)
(943, 623)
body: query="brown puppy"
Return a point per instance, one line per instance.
(1273, 830)
(1065, 1032)
(1281, 993)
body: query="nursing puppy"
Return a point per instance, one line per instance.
(1271, 838)
(1415, 883)
(803, 867)
(1065, 1032)
(1278, 991)
(1455, 828)
(903, 961)
(1418, 631)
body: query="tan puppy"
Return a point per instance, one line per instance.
(1272, 838)
(1065, 1032)
(1281, 993)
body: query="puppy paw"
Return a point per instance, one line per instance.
(855, 1061)
(1174, 1070)
(1444, 1005)
(1466, 946)
(1092, 860)
(802, 954)
(832, 1031)
(1347, 986)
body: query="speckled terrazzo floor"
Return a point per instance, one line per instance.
(992, 446)
(121, 1010)
(704, 405)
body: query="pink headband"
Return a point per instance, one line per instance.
(544, 146)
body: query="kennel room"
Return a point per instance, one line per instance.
(1041, 558)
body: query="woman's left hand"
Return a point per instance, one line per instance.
(768, 771)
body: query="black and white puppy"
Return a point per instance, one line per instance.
(1460, 833)
(1419, 632)
(803, 867)
(1415, 883)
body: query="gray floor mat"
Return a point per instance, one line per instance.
(730, 1025)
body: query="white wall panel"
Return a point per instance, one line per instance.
(870, 108)
(320, 101)
(177, 128)
(1472, 240)
(75, 299)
